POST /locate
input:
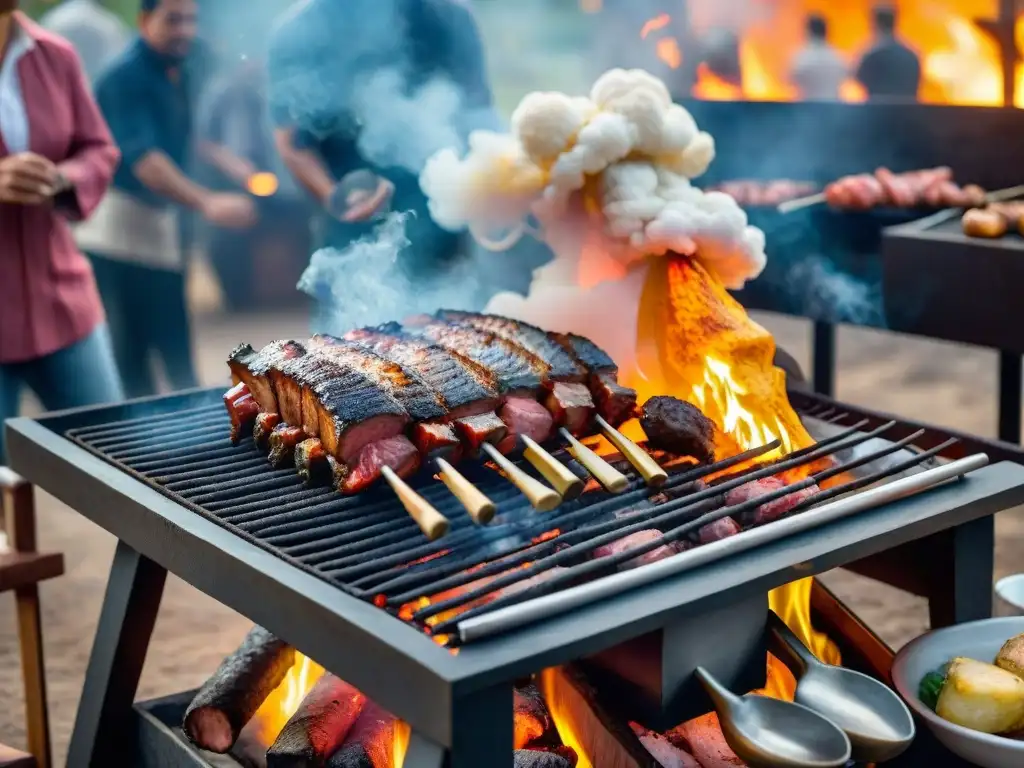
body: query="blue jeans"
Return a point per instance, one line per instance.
(83, 374)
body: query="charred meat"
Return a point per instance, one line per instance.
(678, 427)
(770, 510)
(614, 401)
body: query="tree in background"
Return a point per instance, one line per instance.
(126, 9)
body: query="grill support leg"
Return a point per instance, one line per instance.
(1009, 397)
(480, 725)
(962, 582)
(103, 726)
(823, 358)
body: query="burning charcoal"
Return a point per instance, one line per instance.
(720, 529)
(236, 690)
(771, 510)
(635, 540)
(661, 749)
(370, 743)
(532, 719)
(525, 758)
(319, 726)
(675, 426)
(703, 738)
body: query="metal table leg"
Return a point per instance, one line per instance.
(480, 726)
(962, 579)
(104, 730)
(1009, 397)
(823, 358)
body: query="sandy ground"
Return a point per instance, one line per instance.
(938, 383)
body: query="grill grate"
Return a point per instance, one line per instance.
(369, 547)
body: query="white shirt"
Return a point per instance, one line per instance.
(97, 34)
(818, 71)
(13, 115)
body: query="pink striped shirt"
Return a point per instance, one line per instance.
(48, 297)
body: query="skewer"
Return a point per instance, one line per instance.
(555, 472)
(1001, 195)
(642, 461)
(480, 508)
(607, 475)
(801, 202)
(539, 495)
(433, 524)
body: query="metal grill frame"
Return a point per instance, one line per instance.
(458, 703)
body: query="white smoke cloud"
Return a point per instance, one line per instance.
(619, 161)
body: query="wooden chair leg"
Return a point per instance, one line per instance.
(30, 635)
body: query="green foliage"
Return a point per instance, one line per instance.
(126, 9)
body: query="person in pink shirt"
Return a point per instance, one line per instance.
(56, 160)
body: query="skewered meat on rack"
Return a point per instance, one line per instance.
(678, 427)
(932, 188)
(749, 193)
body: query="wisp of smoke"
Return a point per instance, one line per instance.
(363, 285)
(827, 294)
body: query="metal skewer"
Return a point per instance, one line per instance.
(539, 495)
(480, 508)
(568, 485)
(433, 524)
(648, 468)
(801, 202)
(607, 475)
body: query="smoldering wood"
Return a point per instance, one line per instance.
(598, 730)
(526, 758)
(319, 726)
(231, 696)
(533, 721)
(371, 741)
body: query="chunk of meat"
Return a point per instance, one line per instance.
(395, 452)
(242, 410)
(664, 751)
(614, 401)
(678, 427)
(311, 462)
(703, 738)
(631, 541)
(533, 581)
(436, 438)
(480, 429)
(771, 510)
(524, 416)
(256, 369)
(720, 529)
(571, 406)
(265, 424)
(283, 440)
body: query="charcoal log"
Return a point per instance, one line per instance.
(236, 690)
(370, 743)
(319, 726)
(532, 719)
(525, 758)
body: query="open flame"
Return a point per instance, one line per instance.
(960, 61)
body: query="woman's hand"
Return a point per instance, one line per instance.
(27, 179)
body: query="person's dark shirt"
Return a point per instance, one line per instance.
(311, 77)
(890, 70)
(147, 110)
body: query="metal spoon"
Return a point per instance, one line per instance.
(874, 717)
(771, 733)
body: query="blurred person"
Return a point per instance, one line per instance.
(889, 69)
(235, 139)
(97, 34)
(56, 161)
(134, 237)
(320, 132)
(818, 70)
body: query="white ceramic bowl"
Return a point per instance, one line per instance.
(979, 640)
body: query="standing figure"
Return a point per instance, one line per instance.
(818, 69)
(97, 34)
(355, 123)
(889, 70)
(56, 160)
(147, 95)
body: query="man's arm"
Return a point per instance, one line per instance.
(304, 164)
(211, 131)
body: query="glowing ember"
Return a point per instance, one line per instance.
(563, 723)
(402, 733)
(653, 25)
(262, 184)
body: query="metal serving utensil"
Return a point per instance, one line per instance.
(877, 722)
(771, 733)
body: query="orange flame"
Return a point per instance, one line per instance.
(284, 700)
(262, 184)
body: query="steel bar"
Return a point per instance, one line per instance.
(505, 619)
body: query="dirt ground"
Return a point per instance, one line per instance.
(939, 383)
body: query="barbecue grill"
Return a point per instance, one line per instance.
(339, 577)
